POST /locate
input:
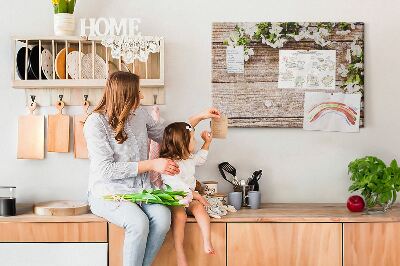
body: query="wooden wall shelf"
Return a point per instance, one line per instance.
(151, 72)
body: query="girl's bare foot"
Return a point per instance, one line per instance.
(209, 249)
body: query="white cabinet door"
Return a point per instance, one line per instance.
(53, 254)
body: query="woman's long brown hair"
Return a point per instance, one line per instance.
(121, 96)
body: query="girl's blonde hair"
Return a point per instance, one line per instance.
(176, 140)
(121, 96)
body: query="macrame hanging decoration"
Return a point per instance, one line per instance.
(130, 48)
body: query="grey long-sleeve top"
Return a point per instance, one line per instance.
(113, 166)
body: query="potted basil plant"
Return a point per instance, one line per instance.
(376, 182)
(64, 20)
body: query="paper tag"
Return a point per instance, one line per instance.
(235, 59)
(219, 127)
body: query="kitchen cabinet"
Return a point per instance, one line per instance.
(53, 254)
(53, 232)
(284, 244)
(371, 244)
(275, 235)
(193, 246)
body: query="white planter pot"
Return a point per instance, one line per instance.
(64, 24)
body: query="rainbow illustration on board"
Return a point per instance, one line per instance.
(345, 111)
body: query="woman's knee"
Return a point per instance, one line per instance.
(137, 223)
(161, 220)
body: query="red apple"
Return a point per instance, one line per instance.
(355, 203)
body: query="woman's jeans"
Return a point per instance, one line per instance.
(145, 227)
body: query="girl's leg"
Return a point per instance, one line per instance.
(135, 222)
(178, 229)
(160, 222)
(203, 220)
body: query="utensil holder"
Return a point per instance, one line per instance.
(245, 193)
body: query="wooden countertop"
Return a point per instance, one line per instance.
(274, 212)
(25, 215)
(307, 212)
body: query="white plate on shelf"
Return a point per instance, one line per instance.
(100, 67)
(47, 63)
(73, 64)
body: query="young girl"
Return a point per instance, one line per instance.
(179, 145)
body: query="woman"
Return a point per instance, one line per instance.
(116, 134)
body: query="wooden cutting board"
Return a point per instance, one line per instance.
(58, 131)
(80, 149)
(61, 208)
(31, 135)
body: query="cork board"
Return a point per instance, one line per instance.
(252, 98)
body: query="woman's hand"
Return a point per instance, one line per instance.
(165, 166)
(200, 198)
(209, 113)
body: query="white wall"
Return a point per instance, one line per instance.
(298, 166)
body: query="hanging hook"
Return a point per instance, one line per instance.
(155, 98)
(33, 97)
(86, 97)
(61, 97)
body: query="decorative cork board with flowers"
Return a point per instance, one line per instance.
(261, 71)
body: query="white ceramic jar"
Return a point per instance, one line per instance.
(64, 24)
(210, 187)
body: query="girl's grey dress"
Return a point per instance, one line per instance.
(114, 170)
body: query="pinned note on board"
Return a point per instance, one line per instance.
(235, 59)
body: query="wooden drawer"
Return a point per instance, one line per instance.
(53, 254)
(285, 244)
(53, 232)
(370, 244)
(166, 257)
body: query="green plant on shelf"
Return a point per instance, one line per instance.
(64, 6)
(376, 182)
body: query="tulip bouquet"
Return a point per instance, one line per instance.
(166, 197)
(64, 6)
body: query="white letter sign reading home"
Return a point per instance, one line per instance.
(109, 26)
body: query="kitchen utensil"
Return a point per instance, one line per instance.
(73, 64)
(245, 189)
(31, 135)
(7, 201)
(210, 187)
(225, 166)
(34, 62)
(219, 127)
(61, 62)
(254, 199)
(61, 208)
(235, 199)
(253, 180)
(47, 64)
(21, 56)
(99, 67)
(80, 149)
(58, 130)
